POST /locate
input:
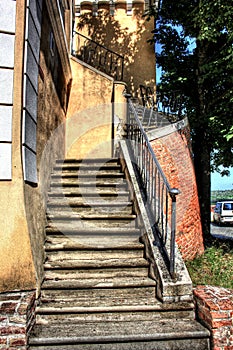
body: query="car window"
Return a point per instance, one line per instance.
(228, 206)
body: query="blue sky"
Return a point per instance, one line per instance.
(219, 182)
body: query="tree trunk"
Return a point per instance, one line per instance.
(202, 170)
(202, 145)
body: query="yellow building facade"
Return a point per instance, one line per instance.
(41, 83)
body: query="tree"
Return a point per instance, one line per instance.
(204, 76)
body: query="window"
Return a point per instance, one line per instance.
(228, 206)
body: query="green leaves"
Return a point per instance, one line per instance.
(204, 74)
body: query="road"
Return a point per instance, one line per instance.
(224, 231)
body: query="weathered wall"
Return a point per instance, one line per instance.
(53, 90)
(22, 214)
(17, 267)
(89, 123)
(126, 34)
(173, 153)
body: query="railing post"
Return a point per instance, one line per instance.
(127, 96)
(173, 193)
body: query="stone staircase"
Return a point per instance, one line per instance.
(97, 292)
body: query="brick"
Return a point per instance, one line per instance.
(219, 315)
(221, 323)
(18, 319)
(12, 330)
(8, 308)
(18, 342)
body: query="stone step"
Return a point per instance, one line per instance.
(115, 314)
(103, 162)
(88, 175)
(102, 274)
(106, 297)
(85, 202)
(114, 192)
(110, 282)
(80, 205)
(96, 186)
(53, 262)
(87, 222)
(89, 233)
(110, 300)
(88, 182)
(72, 215)
(162, 334)
(59, 242)
(87, 167)
(97, 258)
(109, 198)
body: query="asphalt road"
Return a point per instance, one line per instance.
(224, 231)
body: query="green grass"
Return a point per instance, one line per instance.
(214, 267)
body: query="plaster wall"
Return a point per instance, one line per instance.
(126, 34)
(22, 214)
(53, 91)
(89, 115)
(17, 266)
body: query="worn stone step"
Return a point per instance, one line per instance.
(124, 334)
(102, 175)
(87, 167)
(109, 161)
(87, 192)
(139, 312)
(91, 201)
(103, 162)
(88, 181)
(71, 215)
(79, 223)
(107, 297)
(101, 274)
(110, 282)
(59, 242)
(181, 344)
(97, 254)
(89, 233)
(98, 206)
(94, 186)
(109, 301)
(107, 197)
(53, 262)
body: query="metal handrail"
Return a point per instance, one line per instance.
(160, 196)
(98, 56)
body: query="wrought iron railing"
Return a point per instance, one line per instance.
(171, 104)
(160, 196)
(98, 56)
(161, 108)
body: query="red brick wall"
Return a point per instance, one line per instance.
(17, 316)
(214, 307)
(173, 153)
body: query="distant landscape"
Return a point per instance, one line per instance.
(221, 195)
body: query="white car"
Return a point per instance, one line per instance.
(223, 212)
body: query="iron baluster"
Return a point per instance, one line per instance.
(158, 192)
(97, 55)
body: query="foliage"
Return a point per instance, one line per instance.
(206, 70)
(221, 195)
(204, 75)
(214, 267)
